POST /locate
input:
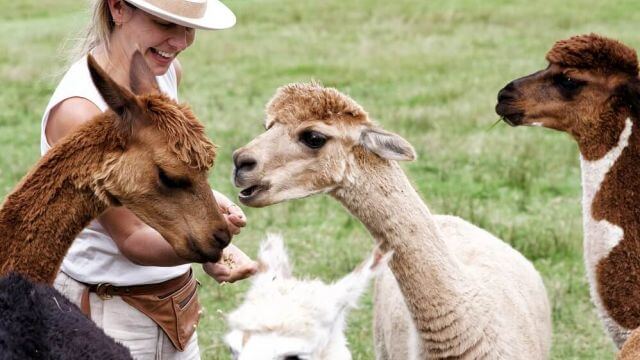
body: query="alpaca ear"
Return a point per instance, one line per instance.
(273, 259)
(628, 93)
(142, 79)
(387, 145)
(349, 289)
(117, 97)
(122, 101)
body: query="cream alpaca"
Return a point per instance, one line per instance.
(286, 318)
(454, 291)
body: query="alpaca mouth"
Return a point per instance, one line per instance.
(509, 115)
(251, 192)
(512, 119)
(197, 254)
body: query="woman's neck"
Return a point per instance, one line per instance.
(115, 60)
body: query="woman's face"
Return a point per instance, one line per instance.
(159, 41)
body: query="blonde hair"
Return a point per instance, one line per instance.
(96, 33)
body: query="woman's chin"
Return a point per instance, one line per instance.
(157, 66)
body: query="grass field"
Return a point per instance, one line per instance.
(429, 70)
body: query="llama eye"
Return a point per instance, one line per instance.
(172, 183)
(313, 139)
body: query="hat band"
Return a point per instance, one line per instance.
(193, 9)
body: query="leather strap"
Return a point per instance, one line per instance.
(106, 291)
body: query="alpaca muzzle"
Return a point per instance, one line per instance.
(506, 107)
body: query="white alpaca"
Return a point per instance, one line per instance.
(454, 290)
(286, 318)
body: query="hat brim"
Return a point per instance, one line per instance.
(217, 16)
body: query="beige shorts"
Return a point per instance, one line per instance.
(128, 326)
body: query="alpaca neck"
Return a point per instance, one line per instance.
(442, 300)
(40, 219)
(612, 231)
(600, 236)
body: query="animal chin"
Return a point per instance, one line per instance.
(196, 254)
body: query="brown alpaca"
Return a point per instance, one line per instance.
(148, 153)
(591, 90)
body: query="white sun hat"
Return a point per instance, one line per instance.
(198, 14)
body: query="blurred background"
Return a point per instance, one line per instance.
(428, 70)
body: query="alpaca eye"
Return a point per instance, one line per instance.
(313, 139)
(292, 357)
(172, 183)
(567, 83)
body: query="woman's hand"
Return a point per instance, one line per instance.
(233, 266)
(232, 213)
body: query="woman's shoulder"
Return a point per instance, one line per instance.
(68, 115)
(77, 83)
(74, 101)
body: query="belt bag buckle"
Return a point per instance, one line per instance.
(102, 291)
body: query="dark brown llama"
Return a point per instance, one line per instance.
(591, 90)
(147, 153)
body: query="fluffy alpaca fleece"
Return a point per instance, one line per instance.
(149, 154)
(591, 90)
(37, 322)
(453, 291)
(631, 348)
(93, 168)
(282, 316)
(484, 257)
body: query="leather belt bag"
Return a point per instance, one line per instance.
(172, 304)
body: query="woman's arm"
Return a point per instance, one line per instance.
(137, 241)
(67, 115)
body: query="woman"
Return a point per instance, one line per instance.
(120, 270)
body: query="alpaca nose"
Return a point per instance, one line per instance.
(507, 92)
(221, 238)
(243, 162)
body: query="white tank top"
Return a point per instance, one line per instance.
(94, 257)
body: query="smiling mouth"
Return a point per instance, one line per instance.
(166, 56)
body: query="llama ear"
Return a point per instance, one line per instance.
(387, 145)
(273, 259)
(142, 79)
(349, 289)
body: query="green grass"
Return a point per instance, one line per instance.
(429, 70)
